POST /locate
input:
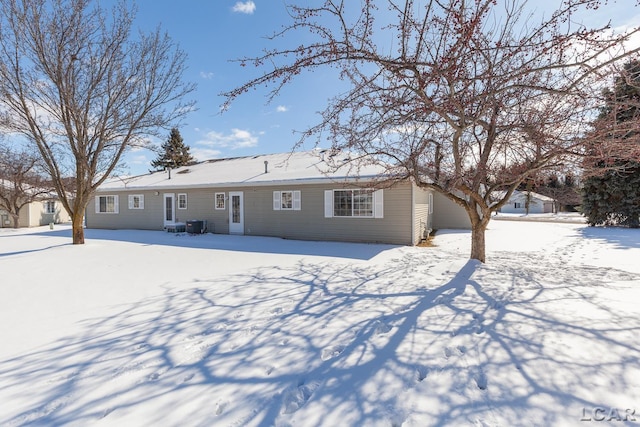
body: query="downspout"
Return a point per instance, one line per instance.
(413, 214)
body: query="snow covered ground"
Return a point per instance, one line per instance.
(543, 217)
(140, 328)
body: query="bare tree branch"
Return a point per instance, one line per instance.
(21, 181)
(470, 98)
(78, 86)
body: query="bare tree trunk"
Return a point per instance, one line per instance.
(480, 217)
(16, 220)
(478, 242)
(74, 60)
(77, 226)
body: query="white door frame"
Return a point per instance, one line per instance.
(236, 212)
(169, 219)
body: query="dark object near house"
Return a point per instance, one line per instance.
(195, 227)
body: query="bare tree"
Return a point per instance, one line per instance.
(468, 98)
(21, 181)
(78, 86)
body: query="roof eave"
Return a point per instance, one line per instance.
(300, 181)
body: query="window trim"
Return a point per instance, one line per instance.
(179, 204)
(377, 203)
(296, 200)
(352, 195)
(286, 197)
(116, 200)
(47, 204)
(131, 201)
(224, 201)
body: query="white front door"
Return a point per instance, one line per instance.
(236, 213)
(169, 209)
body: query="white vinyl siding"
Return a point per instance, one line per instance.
(107, 204)
(136, 201)
(287, 200)
(354, 203)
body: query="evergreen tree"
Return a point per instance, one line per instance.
(611, 196)
(174, 153)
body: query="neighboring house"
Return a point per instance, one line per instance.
(290, 195)
(537, 203)
(45, 207)
(43, 211)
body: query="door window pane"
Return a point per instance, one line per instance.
(168, 209)
(235, 209)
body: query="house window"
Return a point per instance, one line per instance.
(182, 201)
(107, 204)
(354, 203)
(220, 201)
(287, 200)
(517, 205)
(50, 207)
(136, 201)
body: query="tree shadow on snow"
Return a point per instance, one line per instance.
(623, 238)
(26, 251)
(347, 344)
(259, 244)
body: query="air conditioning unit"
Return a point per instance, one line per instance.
(194, 226)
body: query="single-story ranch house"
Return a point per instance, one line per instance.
(538, 203)
(290, 195)
(37, 213)
(44, 210)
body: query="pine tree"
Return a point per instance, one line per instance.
(612, 196)
(174, 153)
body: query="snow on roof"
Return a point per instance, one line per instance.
(41, 192)
(517, 194)
(521, 194)
(297, 167)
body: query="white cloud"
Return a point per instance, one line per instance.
(238, 138)
(247, 7)
(201, 154)
(634, 38)
(139, 160)
(206, 75)
(281, 109)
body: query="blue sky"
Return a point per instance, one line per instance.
(214, 32)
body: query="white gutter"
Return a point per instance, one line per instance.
(241, 184)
